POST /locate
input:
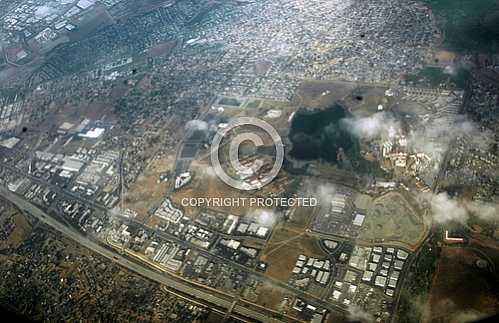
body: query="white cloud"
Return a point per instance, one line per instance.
(322, 192)
(196, 125)
(357, 314)
(446, 209)
(373, 126)
(44, 11)
(263, 217)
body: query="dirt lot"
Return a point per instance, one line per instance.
(162, 49)
(96, 18)
(270, 296)
(321, 94)
(205, 184)
(21, 231)
(301, 218)
(443, 57)
(283, 249)
(146, 192)
(364, 100)
(75, 110)
(461, 291)
(289, 240)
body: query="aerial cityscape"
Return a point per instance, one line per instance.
(249, 160)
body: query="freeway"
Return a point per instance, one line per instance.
(180, 286)
(314, 300)
(443, 166)
(300, 293)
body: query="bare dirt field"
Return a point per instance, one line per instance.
(301, 218)
(270, 296)
(21, 231)
(321, 94)
(364, 100)
(96, 18)
(461, 291)
(337, 318)
(262, 67)
(443, 57)
(74, 111)
(283, 249)
(205, 184)
(146, 192)
(162, 49)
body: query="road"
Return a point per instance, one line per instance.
(314, 300)
(179, 286)
(443, 166)
(300, 293)
(59, 191)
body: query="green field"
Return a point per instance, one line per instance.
(391, 219)
(253, 104)
(469, 25)
(436, 76)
